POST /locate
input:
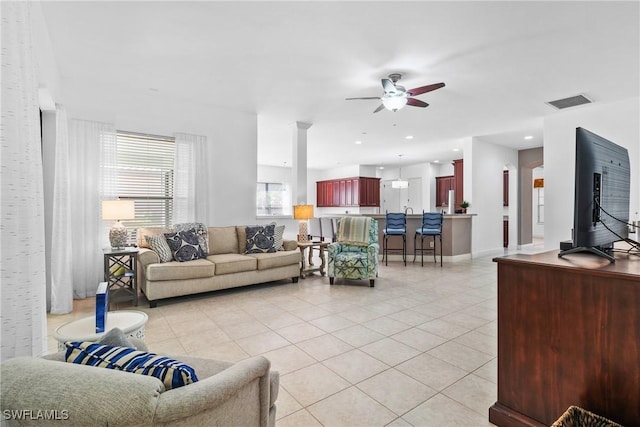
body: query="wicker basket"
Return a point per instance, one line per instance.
(578, 417)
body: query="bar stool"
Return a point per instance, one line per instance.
(396, 225)
(431, 226)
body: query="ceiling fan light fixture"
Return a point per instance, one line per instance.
(394, 103)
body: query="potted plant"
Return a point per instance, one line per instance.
(464, 205)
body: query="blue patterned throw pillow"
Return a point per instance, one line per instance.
(199, 229)
(184, 245)
(260, 239)
(171, 372)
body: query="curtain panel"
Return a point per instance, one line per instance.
(91, 167)
(61, 226)
(22, 246)
(190, 179)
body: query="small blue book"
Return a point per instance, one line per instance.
(102, 306)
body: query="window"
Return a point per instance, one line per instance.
(270, 199)
(145, 175)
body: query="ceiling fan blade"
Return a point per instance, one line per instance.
(416, 103)
(388, 85)
(424, 89)
(367, 97)
(381, 107)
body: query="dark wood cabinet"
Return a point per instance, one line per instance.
(443, 185)
(505, 188)
(458, 181)
(568, 334)
(505, 233)
(345, 192)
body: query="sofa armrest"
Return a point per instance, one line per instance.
(290, 245)
(147, 257)
(334, 248)
(226, 398)
(83, 395)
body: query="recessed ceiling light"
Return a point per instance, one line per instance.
(358, 142)
(408, 137)
(456, 149)
(381, 167)
(528, 137)
(436, 161)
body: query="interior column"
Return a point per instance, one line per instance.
(299, 163)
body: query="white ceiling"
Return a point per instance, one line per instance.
(297, 61)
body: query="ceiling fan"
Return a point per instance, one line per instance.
(396, 96)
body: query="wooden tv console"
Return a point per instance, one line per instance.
(568, 334)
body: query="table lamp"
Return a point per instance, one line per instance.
(303, 213)
(117, 210)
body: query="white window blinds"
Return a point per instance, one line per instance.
(145, 175)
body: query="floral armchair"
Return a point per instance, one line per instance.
(355, 254)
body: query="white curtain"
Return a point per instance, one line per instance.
(91, 176)
(23, 277)
(190, 179)
(62, 255)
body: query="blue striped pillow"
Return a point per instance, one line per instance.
(171, 372)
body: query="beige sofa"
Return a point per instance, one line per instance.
(49, 391)
(226, 266)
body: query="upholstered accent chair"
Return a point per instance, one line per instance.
(355, 253)
(431, 226)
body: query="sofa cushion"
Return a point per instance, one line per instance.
(223, 240)
(158, 243)
(260, 239)
(184, 245)
(276, 259)
(233, 263)
(171, 372)
(196, 269)
(149, 231)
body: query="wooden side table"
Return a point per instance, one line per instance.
(121, 274)
(310, 268)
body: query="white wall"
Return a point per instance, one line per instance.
(537, 228)
(618, 122)
(483, 179)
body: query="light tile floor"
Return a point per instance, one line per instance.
(418, 349)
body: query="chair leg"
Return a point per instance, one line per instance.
(441, 250)
(384, 250)
(422, 250)
(331, 280)
(415, 249)
(434, 248)
(404, 249)
(371, 283)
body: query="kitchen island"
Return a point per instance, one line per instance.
(456, 238)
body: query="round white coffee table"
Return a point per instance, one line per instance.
(130, 321)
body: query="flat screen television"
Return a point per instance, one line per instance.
(601, 201)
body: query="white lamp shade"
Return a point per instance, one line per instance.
(118, 209)
(394, 102)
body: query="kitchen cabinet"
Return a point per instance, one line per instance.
(458, 181)
(443, 185)
(345, 192)
(505, 188)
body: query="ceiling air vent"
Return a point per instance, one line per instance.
(571, 101)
